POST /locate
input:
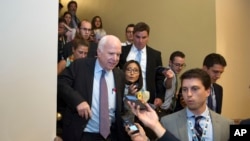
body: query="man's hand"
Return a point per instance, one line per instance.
(168, 73)
(148, 117)
(83, 110)
(140, 136)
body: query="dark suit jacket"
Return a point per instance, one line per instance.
(245, 121)
(67, 50)
(76, 19)
(153, 60)
(218, 90)
(75, 85)
(219, 97)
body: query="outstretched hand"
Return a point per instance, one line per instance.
(140, 136)
(148, 116)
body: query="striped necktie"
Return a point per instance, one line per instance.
(197, 127)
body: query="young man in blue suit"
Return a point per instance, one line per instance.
(195, 85)
(214, 64)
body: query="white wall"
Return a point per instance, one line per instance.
(28, 43)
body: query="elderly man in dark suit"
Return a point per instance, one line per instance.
(80, 86)
(147, 57)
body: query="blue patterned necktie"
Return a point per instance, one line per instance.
(104, 109)
(197, 127)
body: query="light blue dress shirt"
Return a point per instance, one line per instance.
(93, 124)
(209, 134)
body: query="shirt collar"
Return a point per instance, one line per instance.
(134, 49)
(98, 67)
(190, 114)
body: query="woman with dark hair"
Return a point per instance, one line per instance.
(71, 31)
(80, 49)
(133, 85)
(96, 26)
(96, 22)
(133, 76)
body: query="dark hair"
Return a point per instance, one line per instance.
(67, 12)
(176, 54)
(129, 25)
(71, 2)
(79, 41)
(61, 20)
(141, 26)
(60, 6)
(199, 74)
(214, 58)
(93, 22)
(140, 80)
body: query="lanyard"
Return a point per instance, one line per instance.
(204, 130)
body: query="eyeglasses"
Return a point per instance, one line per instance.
(130, 70)
(129, 31)
(86, 29)
(179, 65)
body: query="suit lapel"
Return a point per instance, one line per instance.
(218, 96)
(90, 70)
(216, 126)
(182, 124)
(119, 86)
(124, 55)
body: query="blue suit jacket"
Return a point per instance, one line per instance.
(218, 91)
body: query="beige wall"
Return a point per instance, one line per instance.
(175, 25)
(233, 41)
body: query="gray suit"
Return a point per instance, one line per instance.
(176, 123)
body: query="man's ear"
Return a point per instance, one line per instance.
(98, 52)
(208, 92)
(205, 68)
(170, 63)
